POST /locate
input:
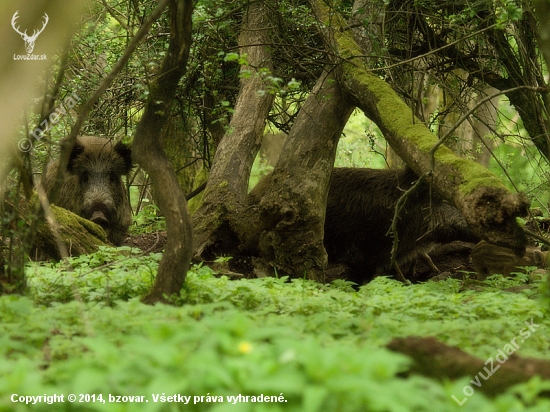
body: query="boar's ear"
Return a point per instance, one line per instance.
(126, 153)
(78, 149)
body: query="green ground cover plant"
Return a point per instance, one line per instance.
(312, 347)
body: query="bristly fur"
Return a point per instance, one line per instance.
(360, 209)
(93, 183)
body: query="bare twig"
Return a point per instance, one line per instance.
(472, 110)
(50, 219)
(536, 236)
(114, 13)
(393, 228)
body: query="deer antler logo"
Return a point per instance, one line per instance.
(29, 40)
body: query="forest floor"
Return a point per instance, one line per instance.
(452, 259)
(271, 344)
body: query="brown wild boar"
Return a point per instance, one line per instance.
(360, 208)
(93, 186)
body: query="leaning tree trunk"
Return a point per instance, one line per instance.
(147, 151)
(292, 211)
(487, 205)
(215, 222)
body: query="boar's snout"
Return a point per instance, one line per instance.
(100, 219)
(99, 214)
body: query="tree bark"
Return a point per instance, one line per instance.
(292, 211)
(147, 151)
(61, 234)
(542, 14)
(80, 236)
(487, 205)
(215, 222)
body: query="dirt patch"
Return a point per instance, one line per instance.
(147, 242)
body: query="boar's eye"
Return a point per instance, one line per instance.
(84, 177)
(113, 177)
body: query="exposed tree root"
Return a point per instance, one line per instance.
(491, 376)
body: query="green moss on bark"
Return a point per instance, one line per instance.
(79, 235)
(394, 117)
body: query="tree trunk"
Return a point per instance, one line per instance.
(542, 14)
(61, 234)
(214, 222)
(487, 205)
(147, 151)
(80, 236)
(292, 211)
(523, 72)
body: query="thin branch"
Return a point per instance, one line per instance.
(52, 223)
(393, 228)
(472, 110)
(434, 51)
(537, 237)
(112, 11)
(68, 143)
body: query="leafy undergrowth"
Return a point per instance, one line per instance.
(298, 344)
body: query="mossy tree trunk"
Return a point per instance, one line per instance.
(216, 222)
(147, 151)
(59, 235)
(488, 206)
(80, 236)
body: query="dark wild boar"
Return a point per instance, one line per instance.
(489, 259)
(359, 213)
(93, 186)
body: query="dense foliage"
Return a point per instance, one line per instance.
(320, 347)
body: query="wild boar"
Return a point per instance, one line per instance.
(360, 209)
(93, 186)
